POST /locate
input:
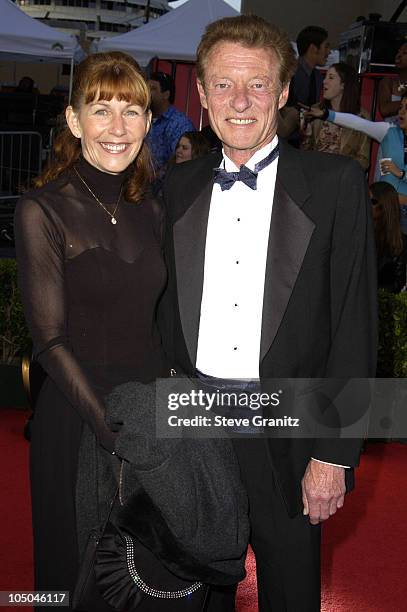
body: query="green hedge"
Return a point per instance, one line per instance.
(14, 336)
(392, 357)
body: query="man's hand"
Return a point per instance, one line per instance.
(323, 490)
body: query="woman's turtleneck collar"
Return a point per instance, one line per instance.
(104, 185)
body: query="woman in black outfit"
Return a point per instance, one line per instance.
(91, 272)
(391, 243)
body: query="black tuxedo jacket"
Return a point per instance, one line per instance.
(319, 306)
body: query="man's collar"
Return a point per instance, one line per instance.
(230, 166)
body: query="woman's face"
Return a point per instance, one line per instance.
(111, 132)
(183, 151)
(333, 86)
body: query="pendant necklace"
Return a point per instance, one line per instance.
(111, 215)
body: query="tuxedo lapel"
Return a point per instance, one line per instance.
(189, 251)
(290, 233)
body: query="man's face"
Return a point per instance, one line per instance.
(158, 97)
(242, 93)
(322, 53)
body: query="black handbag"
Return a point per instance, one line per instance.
(129, 575)
(118, 573)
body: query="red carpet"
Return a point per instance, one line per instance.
(364, 551)
(16, 571)
(365, 545)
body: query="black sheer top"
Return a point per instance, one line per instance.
(90, 288)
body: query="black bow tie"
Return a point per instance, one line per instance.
(247, 176)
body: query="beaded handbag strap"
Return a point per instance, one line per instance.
(139, 582)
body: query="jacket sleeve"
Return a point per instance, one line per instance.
(353, 306)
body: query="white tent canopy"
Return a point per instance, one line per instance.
(173, 36)
(23, 38)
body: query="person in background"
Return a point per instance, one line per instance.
(306, 85)
(393, 140)
(25, 85)
(168, 123)
(313, 50)
(391, 89)
(390, 241)
(341, 93)
(190, 146)
(389, 97)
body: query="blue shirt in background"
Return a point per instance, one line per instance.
(165, 133)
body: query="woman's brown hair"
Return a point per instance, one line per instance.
(103, 76)
(389, 238)
(350, 101)
(199, 145)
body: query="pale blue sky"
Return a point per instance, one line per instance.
(234, 3)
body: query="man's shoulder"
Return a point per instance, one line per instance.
(314, 160)
(184, 182)
(302, 70)
(320, 168)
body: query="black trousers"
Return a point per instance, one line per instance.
(287, 550)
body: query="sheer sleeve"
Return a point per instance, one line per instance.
(40, 255)
(373, 129)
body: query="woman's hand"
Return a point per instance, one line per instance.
(388, 166)
(313, 112)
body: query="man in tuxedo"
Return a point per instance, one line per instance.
(271, 275)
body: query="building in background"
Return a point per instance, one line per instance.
(94, 19)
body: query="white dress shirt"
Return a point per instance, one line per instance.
(234, 273)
